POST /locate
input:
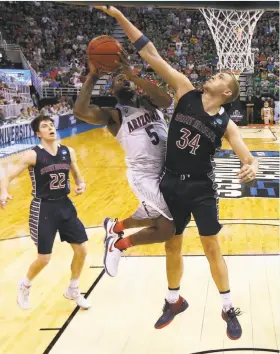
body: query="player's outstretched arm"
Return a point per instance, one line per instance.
(80, 183)
(158, 95)
(28, 159)
(91, 114)
(250, 164)
(179, 82)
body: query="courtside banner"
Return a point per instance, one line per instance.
(266, 184)
(15, 132)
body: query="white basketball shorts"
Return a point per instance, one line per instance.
(145, 185)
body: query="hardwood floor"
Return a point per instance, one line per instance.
(125, 308)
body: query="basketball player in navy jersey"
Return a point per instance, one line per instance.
(49, 164)
(188, 186)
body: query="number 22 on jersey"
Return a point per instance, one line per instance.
(184, 141)
(58, 181)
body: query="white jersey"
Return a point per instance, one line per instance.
(267, 115)
(267, 112)
(143, 136)
(276, 111)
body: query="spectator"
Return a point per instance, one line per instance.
(45, 111)
(2, 117)
(53, 83)
(23, 115)
(102, 90)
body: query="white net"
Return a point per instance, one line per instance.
(232, 31)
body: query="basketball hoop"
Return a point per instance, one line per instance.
(232, 31)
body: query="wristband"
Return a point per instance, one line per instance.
(141, 43)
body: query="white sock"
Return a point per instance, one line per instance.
(74, 283)
(173, 295)
(226, 301)
(26, 282)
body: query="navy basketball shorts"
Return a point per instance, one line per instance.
(47, 217)
(186, 195)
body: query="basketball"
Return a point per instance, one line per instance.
(103, 51)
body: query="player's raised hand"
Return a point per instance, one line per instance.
(109, 10)
(247, 173)
(80, 189)
(4, 198)
(94, 71)
(124, 64)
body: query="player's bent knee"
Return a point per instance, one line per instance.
(166, 229)
(173, 247)
(44, 259)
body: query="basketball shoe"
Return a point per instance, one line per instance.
(74, 294)
(23, 295)
(109, 225)
(234, 330)
(170, 311)
(112, 256)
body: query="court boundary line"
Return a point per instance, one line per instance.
(72, 315)
(203, 255)
(274, 134)
(235, 349)
(188, 227)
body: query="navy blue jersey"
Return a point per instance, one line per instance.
(50, 175)
(194, 136)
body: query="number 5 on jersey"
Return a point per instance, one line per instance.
(184, 141)
(152, 134)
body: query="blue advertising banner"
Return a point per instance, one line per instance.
(16, 76)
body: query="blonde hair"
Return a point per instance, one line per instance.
(234, 86)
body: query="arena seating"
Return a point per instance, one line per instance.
(181, 36)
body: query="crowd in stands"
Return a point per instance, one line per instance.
(184, 40)
(56, 109)
(265, 44)
(24, 115)
(54, 38)
(13, 104)
(4, 61)
(29, 113)
(15, 109)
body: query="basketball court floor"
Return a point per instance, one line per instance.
(125, 308)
